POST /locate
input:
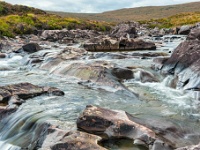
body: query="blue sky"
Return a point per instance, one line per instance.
(93, 6)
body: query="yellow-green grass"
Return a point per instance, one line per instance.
(12, 25)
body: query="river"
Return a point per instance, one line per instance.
(156, 101)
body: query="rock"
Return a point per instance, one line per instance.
(184, 63)
(54, 91)
(194, 34)
(158, 63)
(24, 91)
(114, 124)
(5, 111)
(127, 30)
(194, 147)
(58, 139)
(122, 73)
(68, 36)
(185, 30)
(145, 76)
(31, 47)
(109, 44)
(160, 145)
(3, 55)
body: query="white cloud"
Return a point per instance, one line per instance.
(89, 6)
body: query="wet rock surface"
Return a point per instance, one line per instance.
(68, 140)
(184, 63)
(24, 91)
(114, 124)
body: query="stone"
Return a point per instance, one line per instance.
(194, 34)
(125, 30)
(122, 73)
(185, 30)
(25, 91)
(58, 139)
(184, 63)
(5, 111)
(114, 124)
(125, 44)
(31, 47)
(194, 147)
(3, 55)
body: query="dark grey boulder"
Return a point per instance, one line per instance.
(31, 47)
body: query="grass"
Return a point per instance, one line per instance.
(174, 21)
(11, 25)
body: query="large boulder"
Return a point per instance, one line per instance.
(185, 30)
(125, 30)
(31, 47)
(194, 34)
(154, 133)
(184, 64)
(114, 124)
(58, 139)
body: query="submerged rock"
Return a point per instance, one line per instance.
(57, 139)
(5, 111)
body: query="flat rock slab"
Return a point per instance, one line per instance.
(58, 139)
(25, 91)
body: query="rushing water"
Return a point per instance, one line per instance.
(156, 101)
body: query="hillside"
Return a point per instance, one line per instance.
(18, 20)
(137, 14)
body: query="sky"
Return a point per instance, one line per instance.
(93, 6)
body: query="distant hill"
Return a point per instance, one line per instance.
(136, 14)
(8, 9)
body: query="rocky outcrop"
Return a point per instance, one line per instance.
(58, 139)
(119, 124)
(68, 36)
(109, 44)
(15, 92)
(183, 63)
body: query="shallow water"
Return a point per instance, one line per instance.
(156, 101)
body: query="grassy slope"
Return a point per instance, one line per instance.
(174, 21)
(137, 14)
(16, 19)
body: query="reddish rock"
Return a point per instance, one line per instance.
(58, 139)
